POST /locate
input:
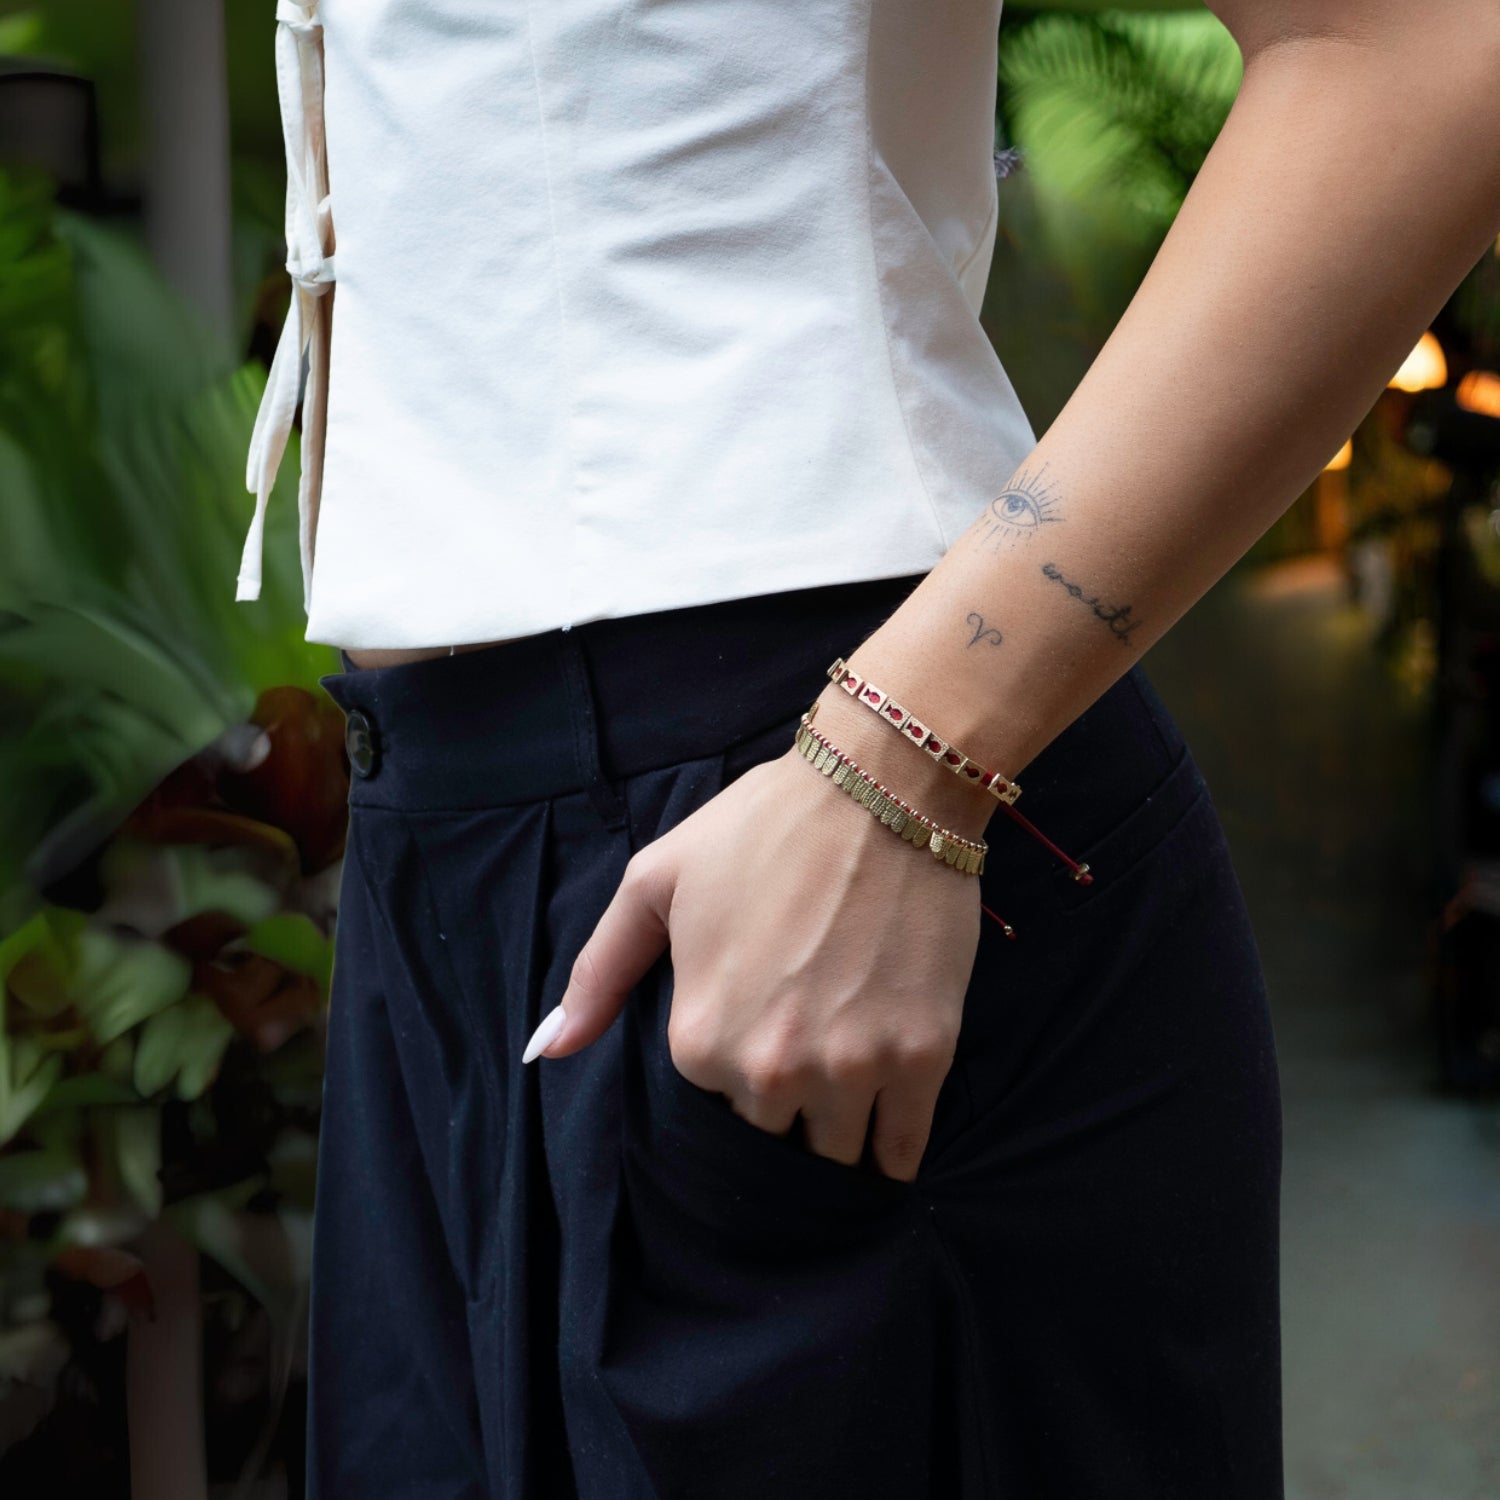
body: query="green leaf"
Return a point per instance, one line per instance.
(87, 1091)
(36, 933)
(269, 1254)
(1119, 108)
(120, 982)
(1083, 6)
(34, 1353)
(28, 1068)
(153, 887)
(293, 940)
(33, 1182)
(107, 656)
(117, 1060)
(209, 881)
(183, 1044)
(20, 33)
(137, 1144)
(27, 1072)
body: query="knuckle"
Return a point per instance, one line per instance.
(903, 1148)
(651, 863)
(934, 1056)
(767, 1076)
(851, 1069)
(764, 1083)
(924, 1052)
(689, 1048)
(895, 1059)
(640, 871)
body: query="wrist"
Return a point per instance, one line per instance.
(905, 769)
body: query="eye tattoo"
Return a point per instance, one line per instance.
(1021, 510)
(981, 633)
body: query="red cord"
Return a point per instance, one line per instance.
(1010, 931)
(1080, 872)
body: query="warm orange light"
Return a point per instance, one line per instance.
(1424, 369)
(1340, 460)
(1479, 391)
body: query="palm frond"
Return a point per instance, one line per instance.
(1123, 106)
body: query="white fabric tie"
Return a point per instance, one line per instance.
(310, 264)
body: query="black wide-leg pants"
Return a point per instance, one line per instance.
(589, 1277)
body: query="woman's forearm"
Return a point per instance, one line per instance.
(1356, 180)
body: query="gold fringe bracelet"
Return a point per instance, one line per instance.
(964, 855)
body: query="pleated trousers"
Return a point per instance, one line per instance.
(588, 1277)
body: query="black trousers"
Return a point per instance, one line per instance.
(588, 1276)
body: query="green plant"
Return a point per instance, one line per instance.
(123, 430)
(171, 833)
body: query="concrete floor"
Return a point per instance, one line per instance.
(1391, 1189)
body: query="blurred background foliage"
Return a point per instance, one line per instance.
(172, 822)
(169, 836)
(1110, 115)
(123, 430)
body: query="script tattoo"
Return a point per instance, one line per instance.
(981, 631)
(1117, 617)
(1021, 510)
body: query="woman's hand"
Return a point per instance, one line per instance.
(819, 962)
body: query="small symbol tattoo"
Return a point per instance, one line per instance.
(981, 631)
(1021, 510)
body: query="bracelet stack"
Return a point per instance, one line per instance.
(964, 855)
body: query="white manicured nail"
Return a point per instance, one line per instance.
(552, 1023)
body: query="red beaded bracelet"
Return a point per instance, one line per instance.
(1002, 788)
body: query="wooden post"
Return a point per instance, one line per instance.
(164, 1374)
(185, 101)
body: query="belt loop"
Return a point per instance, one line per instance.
(606, 798)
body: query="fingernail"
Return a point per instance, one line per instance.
(552, 1023)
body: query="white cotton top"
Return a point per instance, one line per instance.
(639, 304)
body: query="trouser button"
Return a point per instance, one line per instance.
(360, 741)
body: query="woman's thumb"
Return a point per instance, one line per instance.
(628, 939)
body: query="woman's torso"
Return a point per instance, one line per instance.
(642, 305)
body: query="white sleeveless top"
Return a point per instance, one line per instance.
(639, 304)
